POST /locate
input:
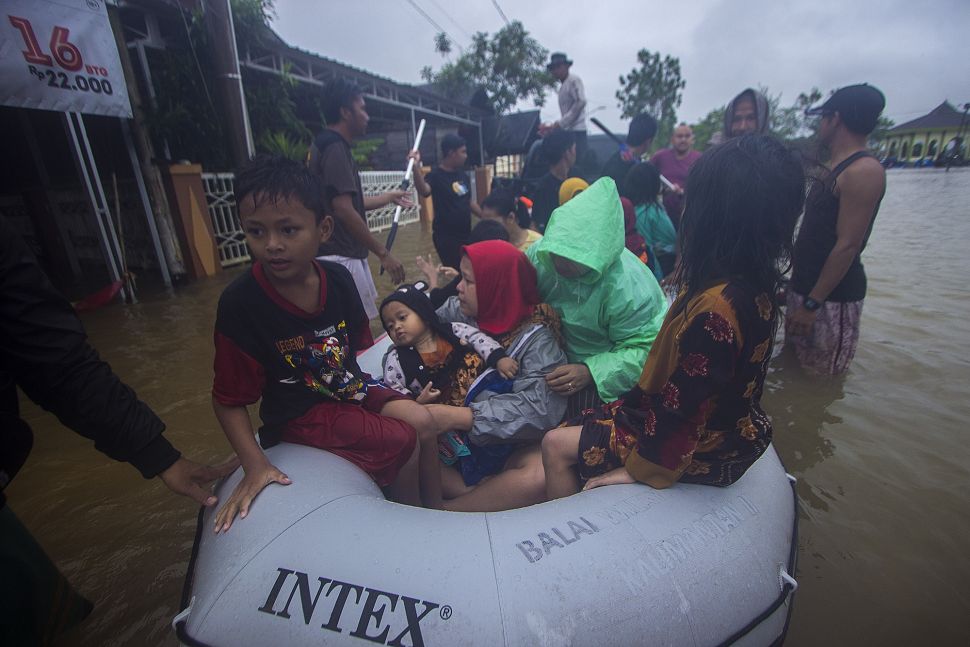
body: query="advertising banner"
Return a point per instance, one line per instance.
(60, 55)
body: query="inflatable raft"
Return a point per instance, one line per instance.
(328, 561)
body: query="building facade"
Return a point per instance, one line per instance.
(924, 141)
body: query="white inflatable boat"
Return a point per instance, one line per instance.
(328, 561)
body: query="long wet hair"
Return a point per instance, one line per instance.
(505, 200)
(739, 219)
(642, 184)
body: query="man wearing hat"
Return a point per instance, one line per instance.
(572, 102)
(828, 282)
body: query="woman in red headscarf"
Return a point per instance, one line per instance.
(503, 422)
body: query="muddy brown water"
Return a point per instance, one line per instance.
(881, 456)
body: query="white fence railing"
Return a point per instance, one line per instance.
(377, 182)
(231, 240)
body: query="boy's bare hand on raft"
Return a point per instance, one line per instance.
(618, 476)
(507, 367)
(428, 394)
(569, 378)
(186, 477)
(242, 497)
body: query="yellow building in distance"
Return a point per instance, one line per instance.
(923, 141)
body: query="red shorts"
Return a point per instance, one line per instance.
(377, 444)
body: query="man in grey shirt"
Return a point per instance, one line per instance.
(572, 103)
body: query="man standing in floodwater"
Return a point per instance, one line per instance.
(639, 138)
(331, 159)
(828, 282)
(559, 149)
(746, 113)
(450, 191)
(572, 104)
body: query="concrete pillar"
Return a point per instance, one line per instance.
(483, 180)
(190, 213)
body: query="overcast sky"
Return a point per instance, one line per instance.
(917, 53)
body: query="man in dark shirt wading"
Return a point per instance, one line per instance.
(639, 138)
(330, 157)
(828, 281)
(450, 191)
(559, 149)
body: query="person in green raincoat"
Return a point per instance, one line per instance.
(610, 303)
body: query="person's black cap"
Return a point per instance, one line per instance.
(642, 128)
(859, 106)
(558, 59)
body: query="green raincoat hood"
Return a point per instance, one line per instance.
(611, 314)
(588, 230)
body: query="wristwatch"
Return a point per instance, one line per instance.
(811, 304)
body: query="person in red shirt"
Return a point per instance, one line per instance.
(674, 163)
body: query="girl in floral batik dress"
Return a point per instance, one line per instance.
(695, 414)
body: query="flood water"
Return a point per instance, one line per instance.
(880, 456)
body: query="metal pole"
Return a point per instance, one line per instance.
(143, 193)
(963, 121)
(146, 153)
(143, 61)
(237, 74)
(219, 26)
(109, 224)
(83, 161)
(481, 146)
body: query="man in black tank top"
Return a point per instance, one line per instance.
(828, 281)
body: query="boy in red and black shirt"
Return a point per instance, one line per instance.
(288, 332)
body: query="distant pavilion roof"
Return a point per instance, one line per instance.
(942, 116)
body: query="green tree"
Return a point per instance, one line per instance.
(250, 19)
(510, 66)
(788, 124)
(713, 122)
(278, 143)
(442, 44)
(185, 114)
(271, 105)
(362, 149)
(791, 123)
(655, 88)
(883, 126)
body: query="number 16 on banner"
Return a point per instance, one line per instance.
(71, 56)
(65, 52)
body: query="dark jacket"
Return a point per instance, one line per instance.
(44, 350)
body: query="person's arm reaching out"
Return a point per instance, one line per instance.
(45, 351)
